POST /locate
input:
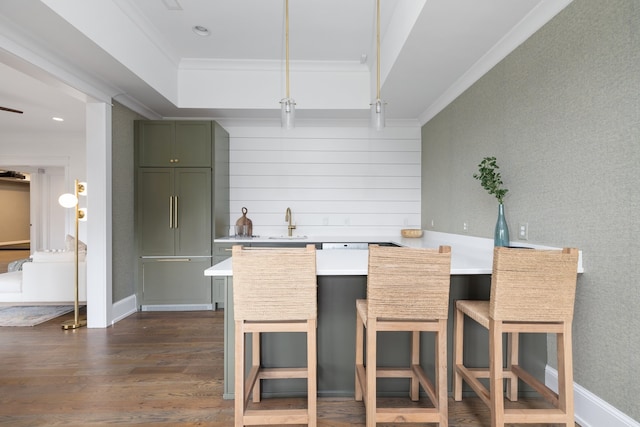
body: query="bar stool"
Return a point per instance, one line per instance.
(274, 290)
(532, 291)
(407, 290)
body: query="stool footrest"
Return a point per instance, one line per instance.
(283, 373)
(548, 394)
(407, 415)
(255, 417)
(394, 373)
(530, 416)
(484, 373)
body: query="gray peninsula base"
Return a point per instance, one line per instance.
(336, 342)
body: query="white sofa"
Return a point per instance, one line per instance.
(49, 278)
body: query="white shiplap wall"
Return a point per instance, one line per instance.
(336, 180)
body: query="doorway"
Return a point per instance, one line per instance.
(30, 217)
(14, 217)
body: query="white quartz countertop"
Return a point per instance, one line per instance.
(328, 263)
(398, 240)
(469, 255)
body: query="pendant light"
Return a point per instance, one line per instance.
(287, 105)
(378, 105)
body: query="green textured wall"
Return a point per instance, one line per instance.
(123, 192)
(562, 115)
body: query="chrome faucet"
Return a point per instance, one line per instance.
(289, 217)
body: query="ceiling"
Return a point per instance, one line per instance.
(57, 54)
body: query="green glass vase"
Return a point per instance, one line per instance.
(501, 235)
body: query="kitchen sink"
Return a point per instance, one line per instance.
(288, 237)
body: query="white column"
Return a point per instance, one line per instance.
(99, 239)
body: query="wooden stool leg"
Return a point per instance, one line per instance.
(359, 354)
(441, 372)
(239, 375)
(495, 373)
(255, 361)
(565, 373)
(371, 373)
(415, 360)
(458, 353)
(312, 388)
(513, 344)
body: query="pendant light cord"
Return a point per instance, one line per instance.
(377, 48)
(287, 44)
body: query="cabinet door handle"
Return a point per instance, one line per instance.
(170, 211)
(174, 260)
(175, 214)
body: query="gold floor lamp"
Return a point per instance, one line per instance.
(68, 200)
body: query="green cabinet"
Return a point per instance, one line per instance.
(174, 211)
(182, 183)
(168, 143)
(175, 281)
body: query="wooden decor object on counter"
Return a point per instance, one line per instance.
(244, 226)
(411, 232)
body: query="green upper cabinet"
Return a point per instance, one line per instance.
(174, 144)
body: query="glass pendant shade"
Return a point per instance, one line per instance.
(377, 114)
(288, 113)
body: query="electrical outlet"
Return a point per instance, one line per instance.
(523, 231)
(465, 226)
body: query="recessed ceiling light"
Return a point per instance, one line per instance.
(58, 119)
(201, 31)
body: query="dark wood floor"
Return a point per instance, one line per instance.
(163, 369)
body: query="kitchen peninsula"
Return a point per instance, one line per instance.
(342, 276)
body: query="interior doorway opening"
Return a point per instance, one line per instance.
(15, 223)
(30, 217)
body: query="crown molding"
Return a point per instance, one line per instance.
(271, 65)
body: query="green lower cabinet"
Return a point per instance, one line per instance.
(175, 281)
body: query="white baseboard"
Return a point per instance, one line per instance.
(123, 308)
(590, 410)
(177, 307)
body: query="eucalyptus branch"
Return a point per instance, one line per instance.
(490, 178)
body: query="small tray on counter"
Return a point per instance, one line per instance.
(411, 232)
